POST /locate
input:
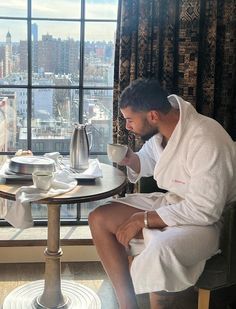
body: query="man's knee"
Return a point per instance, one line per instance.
(105, 216)
(96, 216)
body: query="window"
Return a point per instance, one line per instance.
(56, 68)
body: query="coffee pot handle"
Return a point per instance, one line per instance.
(90, 139)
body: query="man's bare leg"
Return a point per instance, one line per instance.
(104, 222)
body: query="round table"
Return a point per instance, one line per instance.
(52, 292)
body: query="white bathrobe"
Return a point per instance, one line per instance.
(198, 168)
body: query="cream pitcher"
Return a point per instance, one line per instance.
(79, 147)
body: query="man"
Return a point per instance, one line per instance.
(194, 159)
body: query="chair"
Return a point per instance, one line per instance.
(220, 270)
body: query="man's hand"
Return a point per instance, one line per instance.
(127, 158)
(130, 228)
(134, 225)
(131, 160)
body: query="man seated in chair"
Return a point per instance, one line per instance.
(194, 159)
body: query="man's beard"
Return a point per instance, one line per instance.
(149, 134)
(148, 131)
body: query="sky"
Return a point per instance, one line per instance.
(99, 9)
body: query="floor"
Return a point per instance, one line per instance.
(92, 275)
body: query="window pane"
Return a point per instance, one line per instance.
(13, 8)
(98, 113)
(40, 212)
(53, 113)
(99, 54)
(56, 8)
(13, 52)
(55, 51)
(101, 9)
(13, 104)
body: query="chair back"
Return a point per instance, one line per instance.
(228, 241)
(220, 269)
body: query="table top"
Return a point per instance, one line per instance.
(112, 182)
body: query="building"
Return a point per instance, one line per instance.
(8, 107)
(8, 55)
(47, 136)
(23, 50)
(3, 135)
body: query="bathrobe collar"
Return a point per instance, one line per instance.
(187, 114)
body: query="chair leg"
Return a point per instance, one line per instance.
(203, 299)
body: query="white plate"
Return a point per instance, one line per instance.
(79, 176)
(91, 173)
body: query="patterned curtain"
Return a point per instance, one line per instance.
(190, 46)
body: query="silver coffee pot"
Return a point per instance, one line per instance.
(79, 147)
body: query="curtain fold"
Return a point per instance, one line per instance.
(190, 46)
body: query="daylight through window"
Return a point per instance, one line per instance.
(56, 68)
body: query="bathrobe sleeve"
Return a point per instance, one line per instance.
(210, 167)
(148, 156)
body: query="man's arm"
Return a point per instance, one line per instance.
(142, 163)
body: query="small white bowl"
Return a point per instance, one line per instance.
(43, 179)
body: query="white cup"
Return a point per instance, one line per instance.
(56, 156)
(116, 152)
(43, 180)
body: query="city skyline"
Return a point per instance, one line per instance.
(91, 33)
(53, 55)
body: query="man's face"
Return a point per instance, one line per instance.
(138, 123)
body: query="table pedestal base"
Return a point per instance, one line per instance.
(77, 295)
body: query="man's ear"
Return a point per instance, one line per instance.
(154, 116)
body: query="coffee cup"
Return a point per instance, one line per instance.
(116, 152)
(43, 179)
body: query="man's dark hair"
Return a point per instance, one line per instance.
(145, 95)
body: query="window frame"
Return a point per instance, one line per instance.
(30, 87)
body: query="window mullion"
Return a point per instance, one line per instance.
(81, 68)
(29, 84)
